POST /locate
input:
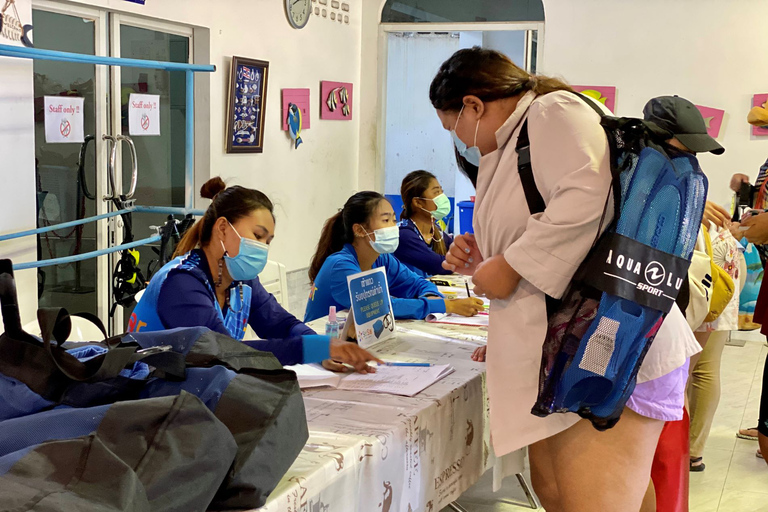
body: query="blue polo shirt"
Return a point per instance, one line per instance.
(416, 254)
(181, 294)
(408, 291)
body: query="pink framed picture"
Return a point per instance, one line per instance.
(300, 98)
(713, 118)
(336, 101)
(760, 100)
(604, 94)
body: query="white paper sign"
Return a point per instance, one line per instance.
(64, 119)
(371, 307)
(144, 114)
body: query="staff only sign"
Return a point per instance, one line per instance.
(143, 114)
(371, 307)
(63, 119)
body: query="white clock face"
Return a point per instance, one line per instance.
(298, 12)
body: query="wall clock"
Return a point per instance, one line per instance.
(298, 12)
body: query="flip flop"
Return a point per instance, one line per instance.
(746, 436)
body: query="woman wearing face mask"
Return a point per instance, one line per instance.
(362, 236)
(214, 283)
(423, 245)
(516, 259)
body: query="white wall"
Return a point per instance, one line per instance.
(17, 170)
(308, 185)
(709, 51)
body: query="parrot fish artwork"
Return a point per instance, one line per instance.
(294, 124)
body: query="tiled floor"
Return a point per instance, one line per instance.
(734, 481)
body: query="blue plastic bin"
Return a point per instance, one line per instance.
(466, 212)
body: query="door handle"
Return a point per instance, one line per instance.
(134, 164)
(112, 163)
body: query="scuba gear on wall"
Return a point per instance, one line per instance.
(171, 233)
(11, 27)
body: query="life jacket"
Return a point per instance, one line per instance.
(146, 316)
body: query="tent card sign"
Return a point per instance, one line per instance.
(143, 114)
(371, 307)
(64, 119)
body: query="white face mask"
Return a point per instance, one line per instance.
(387, 239)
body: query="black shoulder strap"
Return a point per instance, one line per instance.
(525, 170)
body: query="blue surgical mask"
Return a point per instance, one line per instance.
(387, 240)
(471, 155)
(250, 260)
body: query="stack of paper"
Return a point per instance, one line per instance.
(449, 318)
(395, 380)
(315, 376)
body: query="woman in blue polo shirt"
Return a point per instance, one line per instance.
(423, 244)
(214, 283)
(362, 236)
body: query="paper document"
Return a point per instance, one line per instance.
(480, 320)
(396, 380)
(315, 376)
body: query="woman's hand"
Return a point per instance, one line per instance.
(737, 180)
(464, 307)
(716, 214)
(463, 256)
(353, 355)
(479, 354)
(330, 364)
(495, 278)
(758, 229)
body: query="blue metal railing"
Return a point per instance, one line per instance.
(190, 70)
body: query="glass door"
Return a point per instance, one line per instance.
(72, 179)
(160, 159)
(68, 184)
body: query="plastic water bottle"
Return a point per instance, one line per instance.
(332, 326)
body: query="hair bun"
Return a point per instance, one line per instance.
(212, 187)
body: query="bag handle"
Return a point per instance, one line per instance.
(55, 324)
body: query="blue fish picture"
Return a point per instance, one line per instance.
(294, 124)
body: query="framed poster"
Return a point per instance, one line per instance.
(336, 101)
(760, 101)
(604, 94)
(713, 119)
(247, 105)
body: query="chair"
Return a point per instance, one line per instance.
(274, 280)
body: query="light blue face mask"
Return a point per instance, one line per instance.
(471, 155)
(387, 240)
(250, 260)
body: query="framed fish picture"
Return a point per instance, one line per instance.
(247, 105)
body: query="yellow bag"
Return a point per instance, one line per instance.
(722, 284)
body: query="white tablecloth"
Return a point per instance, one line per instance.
(383, 453)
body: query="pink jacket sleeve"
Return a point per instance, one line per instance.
(570, 158)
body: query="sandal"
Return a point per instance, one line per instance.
(759, 454)
(750, 434)
(696, 465)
